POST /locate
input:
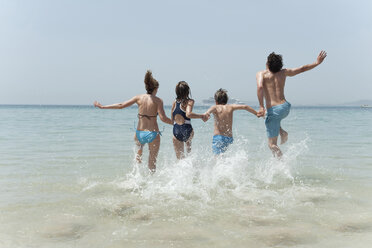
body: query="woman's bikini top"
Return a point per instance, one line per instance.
(179, 111)
(147, 116)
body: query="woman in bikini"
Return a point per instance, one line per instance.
(181, 115)
(149, 106)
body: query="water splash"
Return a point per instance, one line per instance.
(207, 179)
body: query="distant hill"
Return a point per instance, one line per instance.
(358, 103)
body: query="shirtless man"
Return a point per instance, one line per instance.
(270, 84)
(223, 119)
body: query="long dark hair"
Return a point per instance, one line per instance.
(150, 82)
(183, 91)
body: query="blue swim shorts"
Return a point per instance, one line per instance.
(220, 143)
(274, 116)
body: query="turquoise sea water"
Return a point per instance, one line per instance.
(68, 179)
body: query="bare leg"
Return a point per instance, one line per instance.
(139, 148)
(154, 150)
(283, 136)
(178, 148)
(274, 147)
(188, 142)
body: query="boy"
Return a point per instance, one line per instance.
(223, 118)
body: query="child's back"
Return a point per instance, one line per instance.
(223, 118)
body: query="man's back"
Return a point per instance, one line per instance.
(273, 86)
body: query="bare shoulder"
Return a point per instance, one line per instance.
(263, 74)
(143, 96)
(260, 73)
(231, 107)
(212, 109)
(138, 98)
(158, 100)
(190, 102)
(285, 71)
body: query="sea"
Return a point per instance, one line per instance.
(68, 178)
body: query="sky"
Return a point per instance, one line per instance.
(75, 52)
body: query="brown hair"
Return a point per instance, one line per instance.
(150, 82)
(221, 96)
(182, 91)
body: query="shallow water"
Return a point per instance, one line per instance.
(68, 179)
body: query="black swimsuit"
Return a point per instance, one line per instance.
(181, 132)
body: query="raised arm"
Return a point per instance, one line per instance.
(244, 107)
(295, 71)
(190, 114)
(260, 93)
(117, 105)
(162, 115)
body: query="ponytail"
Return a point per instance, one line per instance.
(150, 83)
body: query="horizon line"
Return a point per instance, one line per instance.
(196, 105)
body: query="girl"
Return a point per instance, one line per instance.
(181, 115)
(149, 106)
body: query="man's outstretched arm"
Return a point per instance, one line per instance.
(260, 93)
(295, 71)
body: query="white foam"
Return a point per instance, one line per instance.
(203, 177)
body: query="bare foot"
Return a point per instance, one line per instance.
(277, 153)
(283, 136)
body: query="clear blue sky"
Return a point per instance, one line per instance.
(75, 52)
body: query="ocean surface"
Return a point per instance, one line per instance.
(68, 179)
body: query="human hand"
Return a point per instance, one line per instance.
(205, 117)
(97, 104)
(261, 112)
(321, 57)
